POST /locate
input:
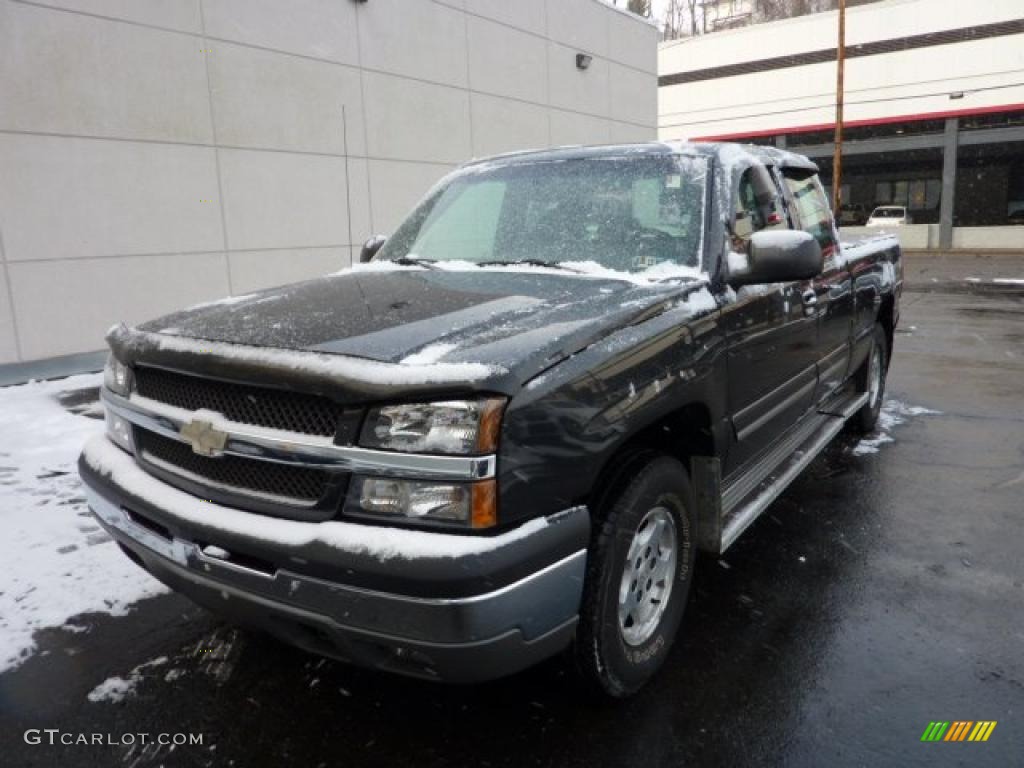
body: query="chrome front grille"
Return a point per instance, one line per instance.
(280, 483)
(241, 403)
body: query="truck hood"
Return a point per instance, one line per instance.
(522, 321)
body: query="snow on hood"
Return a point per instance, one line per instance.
(397, 325)
(317, 363)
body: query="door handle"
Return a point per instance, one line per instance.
(810, 299)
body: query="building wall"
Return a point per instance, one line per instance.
(158, 153)
(908, 82)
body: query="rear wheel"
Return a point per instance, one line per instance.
(639, 571)
(872, 381)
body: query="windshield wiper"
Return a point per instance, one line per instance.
(530, 262)
(411, 261)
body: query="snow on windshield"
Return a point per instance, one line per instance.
(622, 215)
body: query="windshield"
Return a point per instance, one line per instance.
(889, 213)
(624, 213)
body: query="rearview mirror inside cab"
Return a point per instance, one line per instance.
(778, 256)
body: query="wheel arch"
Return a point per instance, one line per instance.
(684, 433)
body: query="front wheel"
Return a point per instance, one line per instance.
(872, 381)
(639, 571)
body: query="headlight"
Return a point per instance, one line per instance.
(460, 505)
(116, 376)
(453, 427)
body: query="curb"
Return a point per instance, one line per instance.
(959, 286)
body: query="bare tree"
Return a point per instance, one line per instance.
(770, 10)
(683, 18)
(639, 7)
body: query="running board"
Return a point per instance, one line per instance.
(847, 406)
(749, 495)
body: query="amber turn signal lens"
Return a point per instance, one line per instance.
(490, 425)
(485, 504)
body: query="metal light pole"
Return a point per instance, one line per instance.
(837, 156)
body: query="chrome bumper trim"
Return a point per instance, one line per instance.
(254, 443)
(537, 586)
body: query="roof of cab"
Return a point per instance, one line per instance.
(767, 155)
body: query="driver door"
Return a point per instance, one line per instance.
(772, 372)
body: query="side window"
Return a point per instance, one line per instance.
(812, 210)
(465, 227)
(749, 217)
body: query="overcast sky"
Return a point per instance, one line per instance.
(657, 8)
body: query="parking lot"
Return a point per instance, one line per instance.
(881, 592)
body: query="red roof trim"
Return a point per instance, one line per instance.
(858, 123)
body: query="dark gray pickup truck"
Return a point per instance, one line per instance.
(508, 431)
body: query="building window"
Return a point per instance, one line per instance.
(917, 195)
(899, 192)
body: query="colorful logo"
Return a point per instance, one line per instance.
(958, 730)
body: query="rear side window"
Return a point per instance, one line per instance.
(812, 210)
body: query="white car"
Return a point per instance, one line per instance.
(889, 216)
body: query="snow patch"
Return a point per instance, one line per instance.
(699, 301)
(119, 688)
(738, 262)
(893, 414)
(58, 562)
(998, 280)
(429, 355)
(665, 270)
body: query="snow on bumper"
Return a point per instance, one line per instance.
(521, 607)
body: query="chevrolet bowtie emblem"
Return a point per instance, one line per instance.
(205, 440)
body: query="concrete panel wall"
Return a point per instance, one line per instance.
(157, 153)
(988, 238)
(913, 236)
(926, 237)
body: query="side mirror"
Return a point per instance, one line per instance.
(370, 248)
(777, 256)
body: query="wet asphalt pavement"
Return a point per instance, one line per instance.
(881, 592)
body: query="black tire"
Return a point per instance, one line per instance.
(653, 492)
(865, 420)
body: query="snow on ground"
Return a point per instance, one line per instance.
(57, 561)
(892, 415)
(117, 688)
(998, 280)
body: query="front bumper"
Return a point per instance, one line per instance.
(464, 615)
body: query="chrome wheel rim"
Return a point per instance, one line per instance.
(648, 576)
(874, 377)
